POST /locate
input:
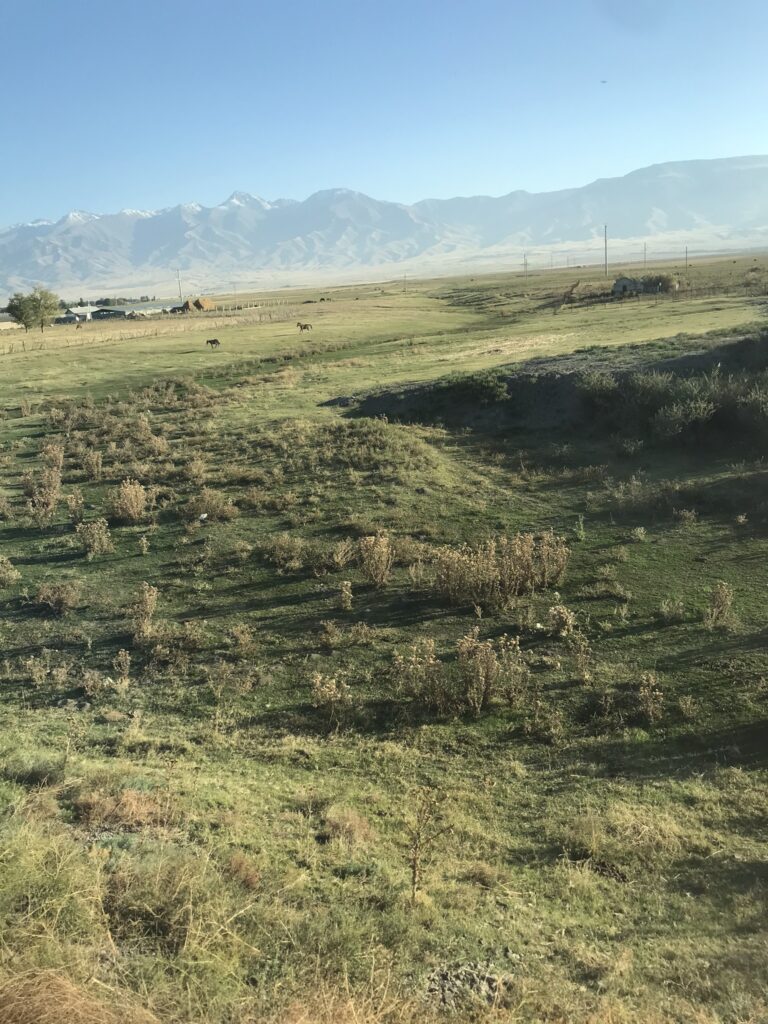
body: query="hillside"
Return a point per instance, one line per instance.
(339, 234)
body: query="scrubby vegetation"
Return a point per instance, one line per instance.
(338, 687)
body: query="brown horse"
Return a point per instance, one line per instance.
(304, 327)
(213, 342)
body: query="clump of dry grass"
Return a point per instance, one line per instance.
(241, 867)
(128, 809)
(45, 997)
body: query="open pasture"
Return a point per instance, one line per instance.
(409, 666)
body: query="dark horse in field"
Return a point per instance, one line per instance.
(304, 327)
(213, 342)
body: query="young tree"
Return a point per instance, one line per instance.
(19, 309)
(43, 305)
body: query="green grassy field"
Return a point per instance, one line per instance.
(419, 668)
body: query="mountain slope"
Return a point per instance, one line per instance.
(713, 203)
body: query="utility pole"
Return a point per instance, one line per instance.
(525, 265)
(605, 239)
(686, 259)
(178, 275)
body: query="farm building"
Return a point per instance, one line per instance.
(83, 312)
(109, 314)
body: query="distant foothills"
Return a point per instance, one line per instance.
(337, 234)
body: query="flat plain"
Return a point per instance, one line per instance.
(409, 667)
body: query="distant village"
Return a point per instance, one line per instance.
(103, 311)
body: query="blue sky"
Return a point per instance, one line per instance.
(109, 104)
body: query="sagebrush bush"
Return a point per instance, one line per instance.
(331, 694)
(95, 538)
(93, 463)
(57, 598)
(143, 612)
(9, 574)
(488, 669)
(212, 504)
(719, 611)
(421, 676)
(285, 551)
(377, 557)
(562, 621)
(128, 503)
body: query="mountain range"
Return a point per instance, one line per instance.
(338, 234)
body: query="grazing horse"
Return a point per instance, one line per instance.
(304, 327)
(213, 342)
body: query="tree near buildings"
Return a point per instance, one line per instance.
(18, 309)
(39, 307)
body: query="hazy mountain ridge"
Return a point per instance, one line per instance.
(339, 231)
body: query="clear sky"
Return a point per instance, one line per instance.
(110, 104)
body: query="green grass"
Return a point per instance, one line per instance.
(210, 839)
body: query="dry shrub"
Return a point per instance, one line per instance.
(330, 694)
(377, 556)
(95, 538)
(502, 568)
(93, 465)
(9, 574)
(345, 596)
(242, 639)
(342, 553)
(719, 611)
(214, 505)
(420, 675)
(286, 551)
(121, 663)
(44, 494)
(128, 503)
(75, 506)
(143, 612)
(57, 598)
(672, 611)
(649, 698)
(52, 455)
(195, 470)
(45, 997)
(562, 621)
(487, 668)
